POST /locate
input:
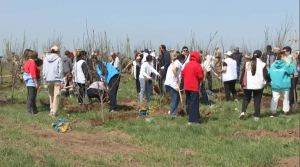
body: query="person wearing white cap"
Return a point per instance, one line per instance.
(229, 75)
(53, 77)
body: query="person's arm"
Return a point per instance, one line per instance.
(85, 71)
(266, 75)
(200, 73)
(174, 70)
(167, 62)
(132, 70)
(60, 71)
(272, 59)
(32, 71)
(224, 69)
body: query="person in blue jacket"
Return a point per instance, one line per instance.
(112, 78)
(280, 73)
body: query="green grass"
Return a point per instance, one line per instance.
(160, 140)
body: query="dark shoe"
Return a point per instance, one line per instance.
(36, 112)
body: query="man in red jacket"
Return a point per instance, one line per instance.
(192, 76)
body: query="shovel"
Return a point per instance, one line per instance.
(183, 106)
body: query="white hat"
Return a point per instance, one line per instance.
(55, 48)
(228, 53)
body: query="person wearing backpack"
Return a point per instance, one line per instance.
(280, 73)
(253, 79)
(111, 76)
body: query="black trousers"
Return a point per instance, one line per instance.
(161, 81)
(257, 95)
(137, 84)
(209, 80)
(81, 93)
(93, 93)
(230, 87)
(31, 100)
(292, 91)
(113, 86)
(192, 98)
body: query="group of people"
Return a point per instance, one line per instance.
(177, 71)
(91, 77)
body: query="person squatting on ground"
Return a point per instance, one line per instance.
(145, 77)
(192, 75)
(68, 85)
(229, 75)
(280, 73)
(82, 76)
(111, 76)
(172, 82)
(136, 71)
(53, 77)
(254, 76)
(32, 80)
(97, 90)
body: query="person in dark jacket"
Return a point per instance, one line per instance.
(268, 57)
(191, 85)
(164, 62)
(237, 56)
(67, 63)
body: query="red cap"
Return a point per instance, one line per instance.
(71, 53)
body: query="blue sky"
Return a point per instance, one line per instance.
(163, 21)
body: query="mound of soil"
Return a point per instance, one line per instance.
(119, 116)
(281, 135)
(291, 162)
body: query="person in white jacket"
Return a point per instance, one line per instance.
(253, 76)
(145, 77)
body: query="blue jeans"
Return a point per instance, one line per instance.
(175, 99)
(238, 74)
(144, 90)
(193, 105)
(204, 94)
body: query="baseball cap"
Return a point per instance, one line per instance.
(236, 48)
(257, 53)
(55, 48)
(228, 53)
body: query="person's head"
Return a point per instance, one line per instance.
(277, 50)
(135, 52)
(217, 59)
(33, 55)
(96, 52)
(69, 76)
(25, 54)
(177, 53)
(256, 54)
(228, 54)
(149, 58)
(138, 57)
(55, 49)
(217, 48)
(181, 58)
(162, 48)
(287, 50)
(113, 55)
(172, 51)
(185, 50)
(236, 50)
(82, 55)
(146, 50)
(269, 48)
(67, 53)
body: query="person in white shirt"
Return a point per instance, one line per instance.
(136, 66)
(115, 61)
(229, 75)
(172, 82)
(208, 65)
(96, 90)
(145, 77)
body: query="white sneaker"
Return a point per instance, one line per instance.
(193, 123)
(256, 118)
(242, 115)
(211, 106)
(169, 112)
(236, 100)
(272, 114)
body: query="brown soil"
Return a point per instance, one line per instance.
(80, 143)
(8, 103)
(120, 116)
(281, 135)
(290, 162)
(119, 134)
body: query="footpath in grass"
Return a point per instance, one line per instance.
(130, 139)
